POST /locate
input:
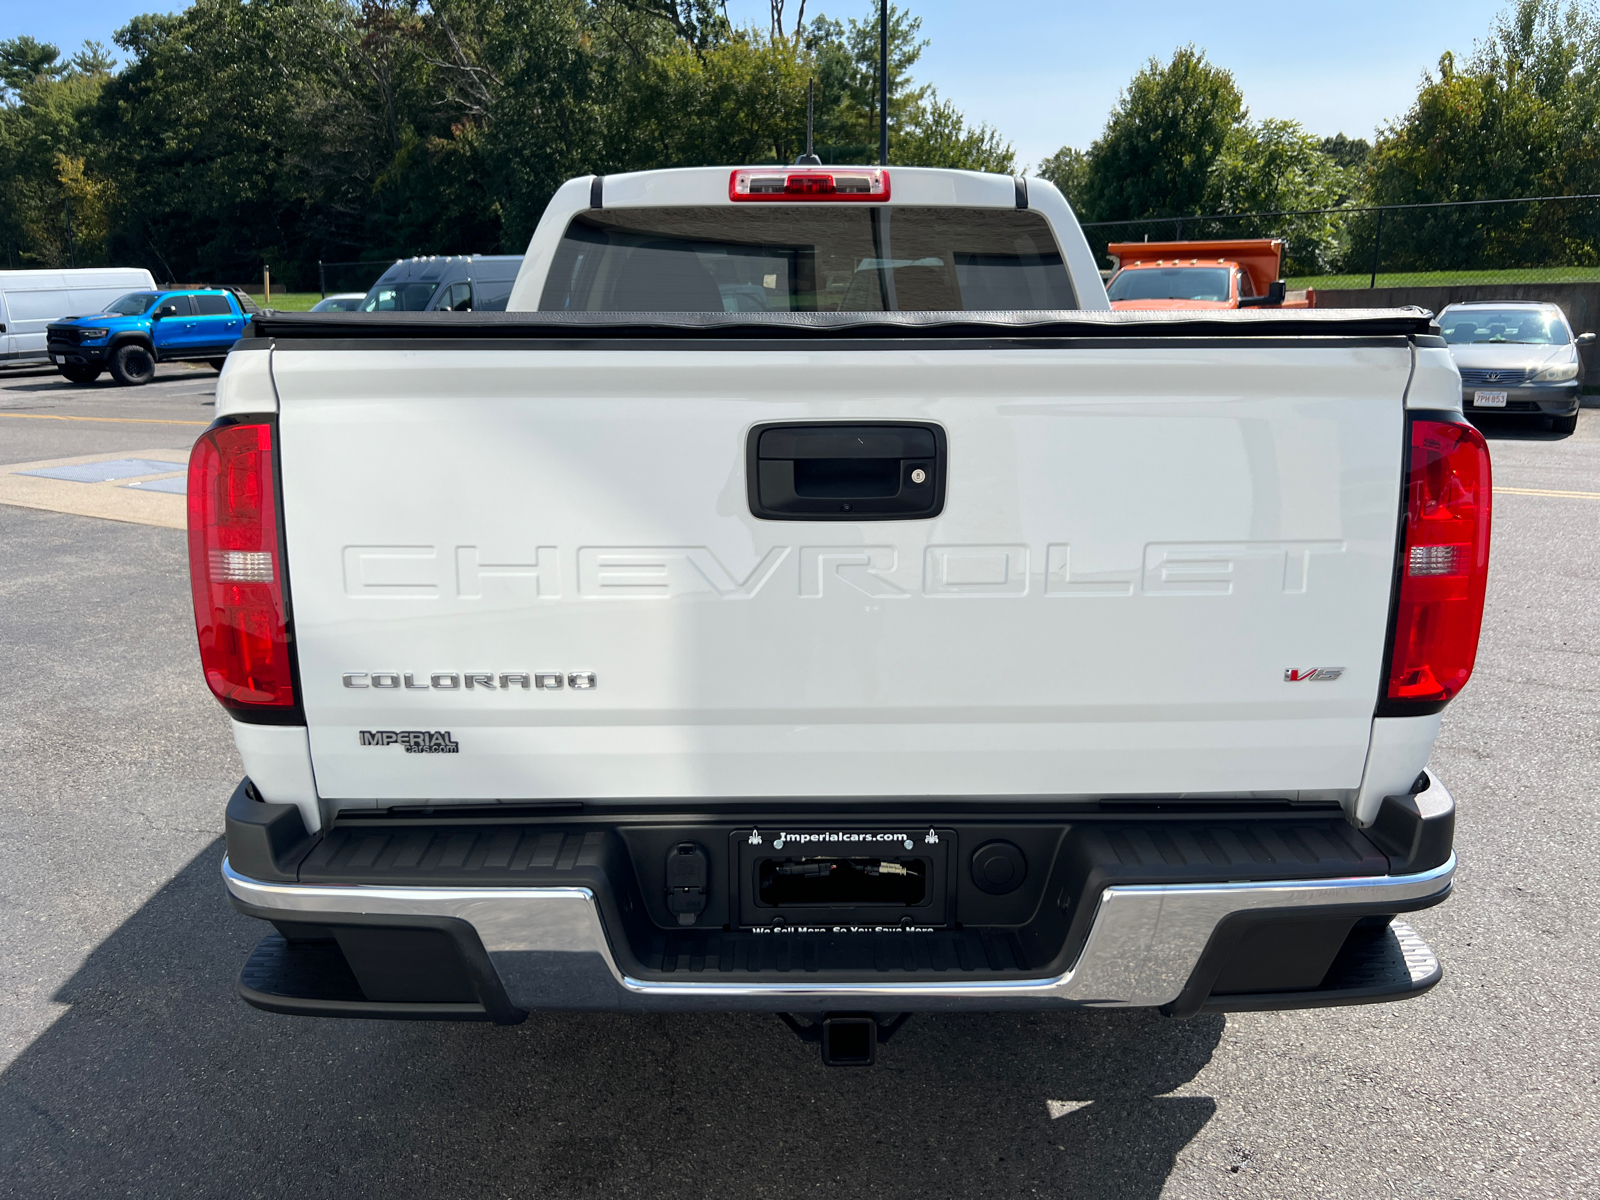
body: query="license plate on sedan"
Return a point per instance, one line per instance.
(1488, 399)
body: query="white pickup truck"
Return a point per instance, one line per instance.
(809, 597)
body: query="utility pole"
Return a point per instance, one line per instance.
(883, 83)
(72, 242)
(1377, 246)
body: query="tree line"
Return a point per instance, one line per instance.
(243, 132)
(1515, 118)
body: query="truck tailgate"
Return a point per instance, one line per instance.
(1160, 568)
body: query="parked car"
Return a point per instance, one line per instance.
(30, 300)
(1241, 273)
(342, 302)
(141, 329)
(852, 657)
(453, 283)
(1517, 357)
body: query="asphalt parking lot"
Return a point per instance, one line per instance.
(128, 1068)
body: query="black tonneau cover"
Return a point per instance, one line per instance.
(1158, 324)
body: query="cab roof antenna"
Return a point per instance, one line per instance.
(809, 159)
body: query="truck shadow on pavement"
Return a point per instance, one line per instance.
(158, 1082)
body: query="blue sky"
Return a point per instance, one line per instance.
(1046, 73)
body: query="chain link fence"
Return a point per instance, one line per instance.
(1543, 239)
(356, 276)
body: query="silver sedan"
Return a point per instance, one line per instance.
(1517, 358)
(341, 302)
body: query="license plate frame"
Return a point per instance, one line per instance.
(1488, 399)
(932, 845)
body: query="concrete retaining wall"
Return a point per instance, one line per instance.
(1580, 301)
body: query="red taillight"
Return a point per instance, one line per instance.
(808, 183)
(1444, 564)
(236, 568)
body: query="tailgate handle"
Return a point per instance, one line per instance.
(850, 471)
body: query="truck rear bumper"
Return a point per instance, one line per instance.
(546, 948)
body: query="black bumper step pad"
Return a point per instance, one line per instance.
(1375, 965)
(1190, 851)
(278, 967)
(432, 855)
(314, 979)
(1193, 851)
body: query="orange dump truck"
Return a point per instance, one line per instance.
(1236, 274)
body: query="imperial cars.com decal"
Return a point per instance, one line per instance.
(415, 741)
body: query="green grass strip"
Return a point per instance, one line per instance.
(287, 301)
(1449, 278)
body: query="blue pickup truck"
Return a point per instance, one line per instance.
(141, 329)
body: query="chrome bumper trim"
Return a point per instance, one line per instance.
(551, 951)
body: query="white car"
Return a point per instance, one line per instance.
(341, 302)
(936, 638)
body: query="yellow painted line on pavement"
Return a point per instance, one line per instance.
(1510, 491)
(111, 420)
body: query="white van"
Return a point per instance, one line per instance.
(30, 300)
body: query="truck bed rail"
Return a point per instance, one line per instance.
(1416, 324)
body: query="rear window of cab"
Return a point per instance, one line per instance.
(805, 258)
